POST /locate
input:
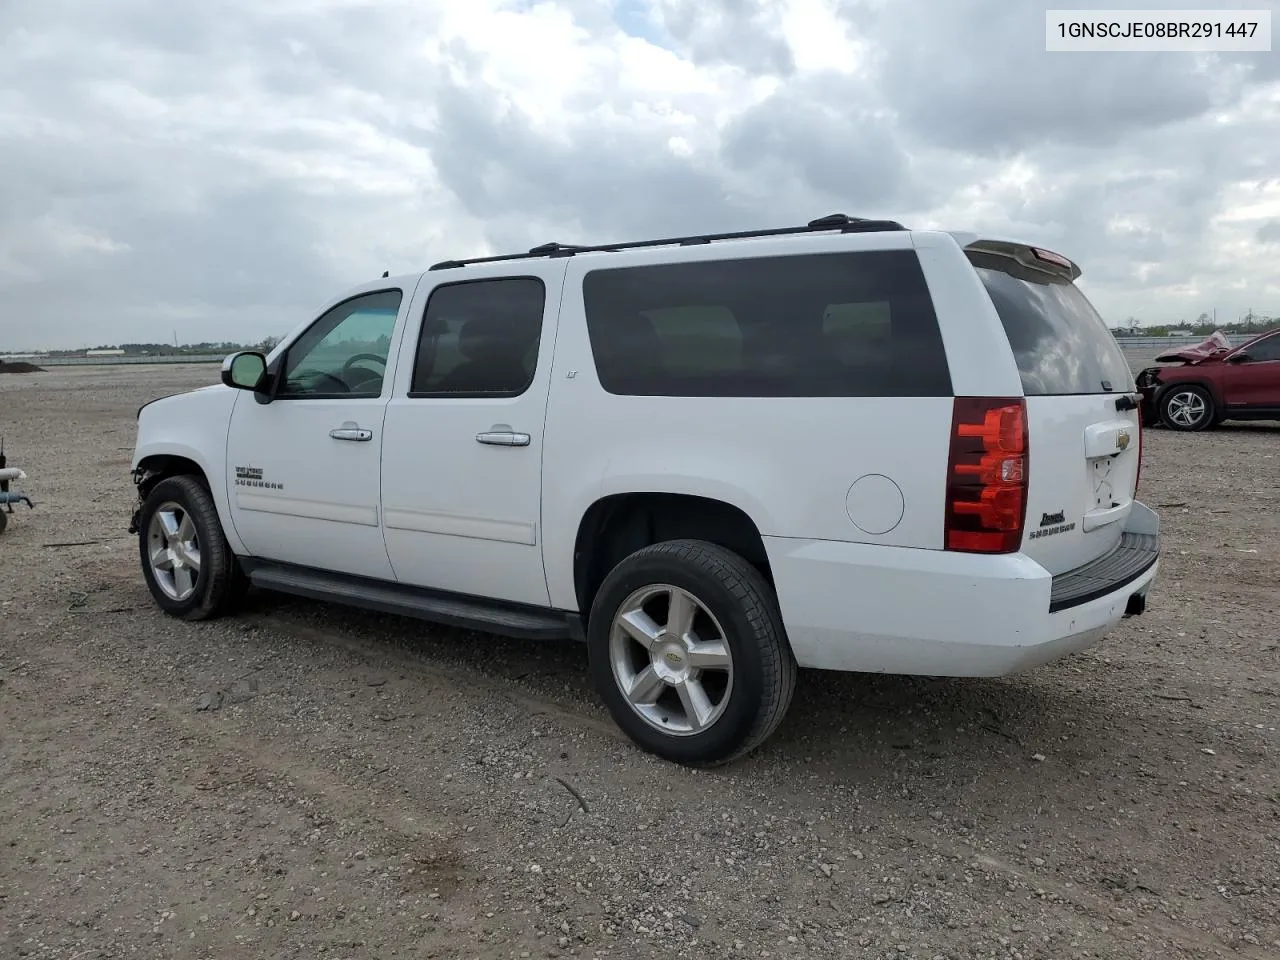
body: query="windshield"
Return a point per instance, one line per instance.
(1061, 344)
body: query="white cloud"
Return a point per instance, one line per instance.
(224, 167)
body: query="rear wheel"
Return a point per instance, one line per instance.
(186, 560)
(688, 652)
(1187, 408)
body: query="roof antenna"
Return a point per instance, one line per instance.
(385, 274)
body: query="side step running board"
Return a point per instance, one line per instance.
(454, 610)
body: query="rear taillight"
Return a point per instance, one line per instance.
(987, 475)
(1138, 477)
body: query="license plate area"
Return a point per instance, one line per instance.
(1103, 483)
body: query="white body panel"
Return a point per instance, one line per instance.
(193, 426)
(977, 348)
(931, 612)
(461, 515)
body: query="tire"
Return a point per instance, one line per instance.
(747, 673)
(1187, 408)
(211, 587)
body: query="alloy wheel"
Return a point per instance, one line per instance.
(1186, 409)
(173, 547)
(671, 660)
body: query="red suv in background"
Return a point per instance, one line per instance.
(1214, 382)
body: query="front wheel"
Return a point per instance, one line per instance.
(688, 652)
(186, 560)
(1187, 408)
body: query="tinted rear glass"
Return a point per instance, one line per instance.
(1061, 344)
(815, 325)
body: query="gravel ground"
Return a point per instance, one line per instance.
(309, 781)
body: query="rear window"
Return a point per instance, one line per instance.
(817, 325)
(1061, 344)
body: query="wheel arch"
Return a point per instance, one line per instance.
(618, 524)
(155, 467)
(160, 461)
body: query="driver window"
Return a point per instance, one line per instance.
(1268, 349)
(344, 353)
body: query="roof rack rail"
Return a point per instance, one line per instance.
(835, 221)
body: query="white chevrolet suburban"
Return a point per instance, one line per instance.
(845, 446)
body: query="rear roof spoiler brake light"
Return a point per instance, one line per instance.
(1035, 258)
(1050, 257)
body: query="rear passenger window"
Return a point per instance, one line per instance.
(698, 338)
(479, 338)
(815, 325)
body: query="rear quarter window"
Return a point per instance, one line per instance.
(856, 324)
(1061, 344)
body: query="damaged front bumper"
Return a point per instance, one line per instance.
(1148, 384)
(139, 477)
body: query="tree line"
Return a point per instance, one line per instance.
(1250, 324)
(171, 350)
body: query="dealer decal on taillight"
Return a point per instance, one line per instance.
(987, 475)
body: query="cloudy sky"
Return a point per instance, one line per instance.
(219, 168)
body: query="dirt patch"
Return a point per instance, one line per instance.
(19, 366)
(309, 781)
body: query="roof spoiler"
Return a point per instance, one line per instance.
(1033, 258)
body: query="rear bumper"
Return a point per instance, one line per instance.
(1133, 556)
(874, 609)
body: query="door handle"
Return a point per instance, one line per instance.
(351, 431)
(1127, 402)
(503, 438)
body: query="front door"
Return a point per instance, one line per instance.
(303, 469)
(1255, 382)
(462, 458)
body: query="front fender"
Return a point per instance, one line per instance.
(192, 426)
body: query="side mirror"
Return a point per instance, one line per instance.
(244, 370)
(1240, 357)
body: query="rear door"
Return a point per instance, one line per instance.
(462, 450)
(1084, 439)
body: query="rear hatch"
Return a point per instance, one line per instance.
(1082, 423)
